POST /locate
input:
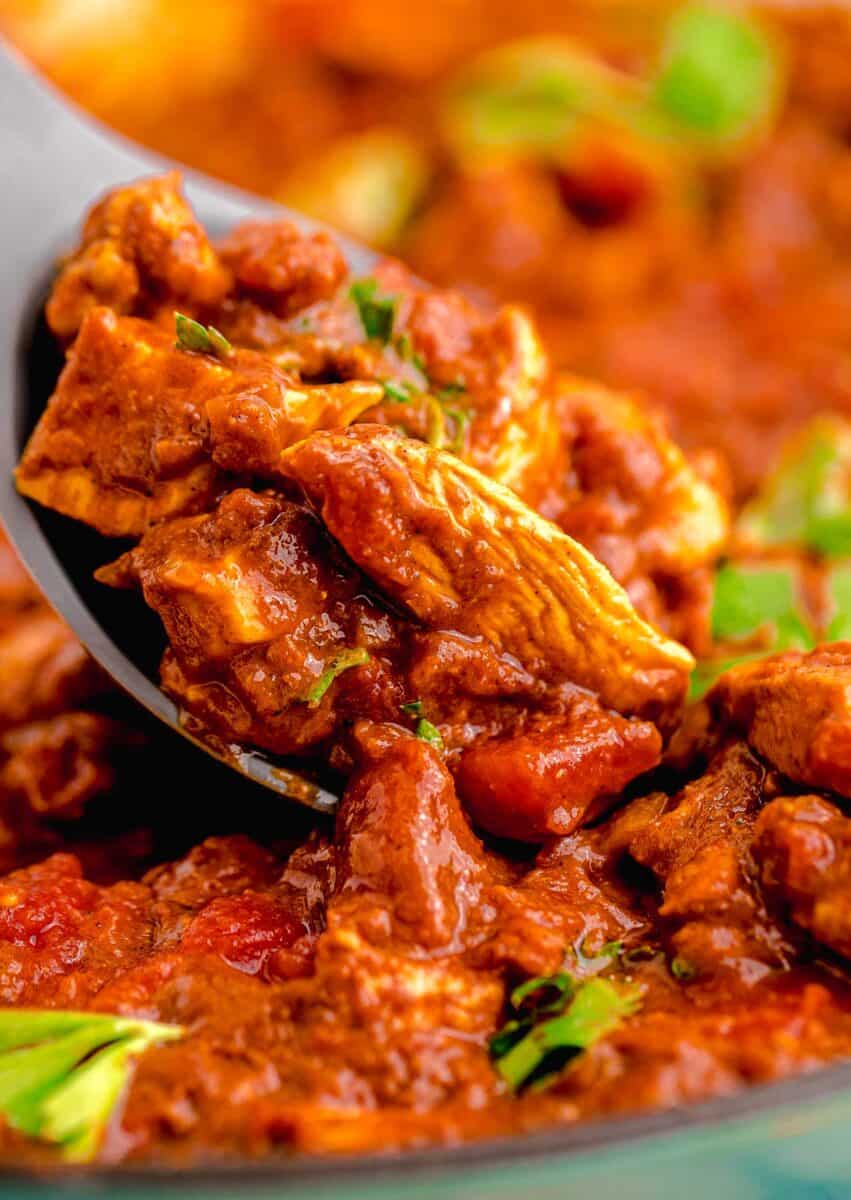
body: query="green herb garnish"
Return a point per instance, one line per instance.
(460, 418)
(414, 708)
(592, 1010)
(720, 73)
(758, 606)
(62, 1073)
(839, 594)
(200, 339)
(682, 969)
(806, 501)
(427, 732)
(377, 313)
(399, 393)
(341, 662)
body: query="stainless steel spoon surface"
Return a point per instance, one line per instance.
(55, 161)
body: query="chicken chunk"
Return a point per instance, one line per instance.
(124, 440)
(795, 710)
(460, 552)
(633, 499)
(259, 606)
(556, 775)
(129, 434)
(698, 846)
(141, 248)
(281, 268)
(395, 808)
(802, 847)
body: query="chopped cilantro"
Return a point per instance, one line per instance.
(200, 339)
(682, 969)
(749, 597)
(427, 732)
(399, 393)
(544, 994)
(531, 1048)
(435, 424)
(460, 418)
(377, 313)
(720, 73)
(806, 501)
(759, 607)
(839, 593)
(62, 1072)
(341, 662)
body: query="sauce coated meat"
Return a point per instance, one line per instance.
(387, 540)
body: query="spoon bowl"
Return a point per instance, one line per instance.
(57, 161)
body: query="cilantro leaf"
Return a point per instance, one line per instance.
(61, 1073)
(200, 339)
(597, 1007)
(756, 610)
(839, 594)
(806, 502)
(341, 662)
(427, 732)
(377, 313)
(720, 73)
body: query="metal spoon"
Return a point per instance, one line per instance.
(55, 162)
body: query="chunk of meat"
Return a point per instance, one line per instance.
(56, 766)
(630, 495)
(795, 710)
(129, 433)
(802, 846)
(141, 247)
(43, 669)
(124, 440)
(403, 839)
(257, 604)
(699, 849)
(280, 267)
(460, 552)
(556, 776)
(257, 414)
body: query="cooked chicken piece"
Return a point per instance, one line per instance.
(124, 440)
(460, 552)
(259, 606)
(795, 710)
(802, 847)
(141, 249)
(557, 774)
(43, 669)
(698, 845)
(128, 434)
(282, 269)
(57, 765)
(631, 496)
(398, 805)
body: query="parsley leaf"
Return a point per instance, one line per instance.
(200, 339)
(61, 1073)
(377, 313)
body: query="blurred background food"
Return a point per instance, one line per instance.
(666, 184)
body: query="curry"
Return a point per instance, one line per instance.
(581, 685)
